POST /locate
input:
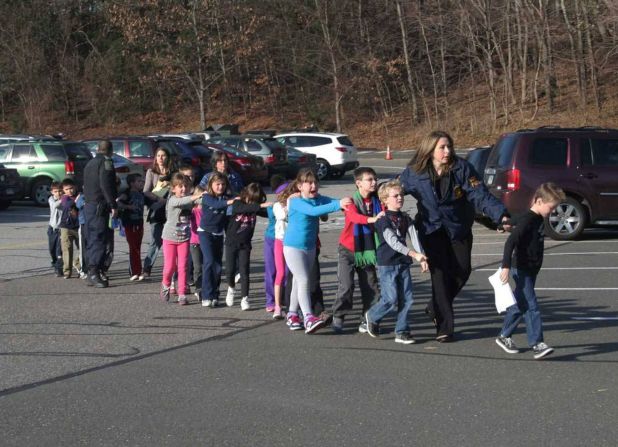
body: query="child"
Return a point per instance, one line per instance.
(357, 250)
(240, 228)
(131, 203)
(69, 228)
(80, 203)
(194, 241)
(212, 225)
(393, 261)
(53, 229)
(277, 184)
(299, 244)
(526, 240)
(176, 233)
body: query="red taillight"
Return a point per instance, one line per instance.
(122, 170)
(341, 149)
(269, 159)
(69, 167)
(512, 180)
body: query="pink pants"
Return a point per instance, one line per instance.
(279, 263)
(175, 258)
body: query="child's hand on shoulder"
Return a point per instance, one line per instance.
(345, 202)
(374, 219)
(266, 204)
(424, 266)
(418, 257)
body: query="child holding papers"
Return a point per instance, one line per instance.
(526, 240)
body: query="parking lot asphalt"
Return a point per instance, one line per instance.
(117, 367)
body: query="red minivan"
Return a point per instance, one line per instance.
(582, 161)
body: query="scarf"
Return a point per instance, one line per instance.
(365, 238)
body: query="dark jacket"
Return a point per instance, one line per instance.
(455, 211)
(241, 224)
(527, 241)
(100, 182)
(214, 218)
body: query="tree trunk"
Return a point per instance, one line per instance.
(406, 56)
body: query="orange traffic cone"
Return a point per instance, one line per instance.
(388, 153)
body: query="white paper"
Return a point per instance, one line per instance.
(503, 292)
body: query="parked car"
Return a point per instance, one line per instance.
(477, 157)
(298, 160)
(15, 138)
(270, 150)
(335, 152)
(582, 161)
(10, 186)
(40, 163)
(139, 150)
(250, 167)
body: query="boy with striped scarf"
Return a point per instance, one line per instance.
(357, 250)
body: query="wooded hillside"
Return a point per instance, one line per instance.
(380, 70)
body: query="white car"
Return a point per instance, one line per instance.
(334, 152)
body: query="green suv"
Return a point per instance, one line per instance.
(41, 162)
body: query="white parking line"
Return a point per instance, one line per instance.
(558, 268)
(576, 288)
(558, 254)
(547, 244)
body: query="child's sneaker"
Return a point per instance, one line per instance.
(229, 297)
(337, 325)
(165, 293)
(277, 314)
(270, 309)
(244, 303)
(206, 303)
(371, 328)
(134, 278)
(294, 323)
(312, 324)
(541, 350)
(182, 300)
(215, 303)
(507, 344)
(173, 290)
(404, 338)
(82, 275)
(140, 277)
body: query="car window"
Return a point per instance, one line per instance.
(77, 151)
(345, 141)
(118, 147)
(139, 149)
(549, 152)
(53, 152)
(315, 141)
(4, 153)
(604, 152)
(92, 146)
(252, 145)
(272, 143)
(23, 153)
(502, 154)
(290, 141)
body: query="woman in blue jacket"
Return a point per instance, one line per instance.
(447, 190)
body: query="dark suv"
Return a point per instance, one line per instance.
(582, 161)
(41, 162)
(274, 154)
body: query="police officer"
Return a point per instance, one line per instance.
(100, 195)
(447, 190)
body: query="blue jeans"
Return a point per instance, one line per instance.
(526, 307)
(396, 288)
(212, 258)
(156, 242)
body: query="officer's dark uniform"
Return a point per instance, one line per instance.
(100, 194)
(446, 209)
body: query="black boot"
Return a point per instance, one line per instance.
(95, 280)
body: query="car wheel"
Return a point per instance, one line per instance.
(323, 169)
(4, 204)
(567, 221)
(40, 191)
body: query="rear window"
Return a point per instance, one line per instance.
(502, 154)
(315, 141)
(601, 153)
(252, 145)
(77, 151)
(53, 152)
(549, 152)
(140, 149)
(118, 147)
(345, 141)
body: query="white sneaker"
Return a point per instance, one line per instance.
(229, 298)
(237, 278)
(134, 278)
(215, 303)
(244, 304)
(206, 303)
(140, 277)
